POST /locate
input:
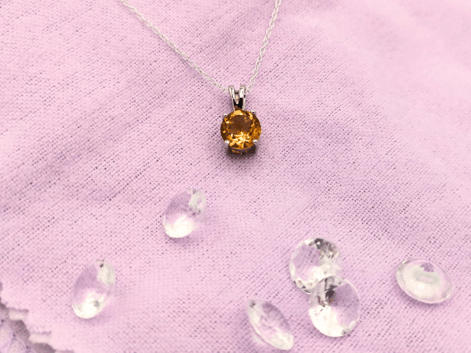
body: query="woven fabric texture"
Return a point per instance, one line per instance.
(365, 109)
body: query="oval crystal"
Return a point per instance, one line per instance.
(92, 289)
(424, 281)
(184, 213)
(312, 260)
(334, 306)
(269, 324)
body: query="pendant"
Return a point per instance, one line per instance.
(240, 129)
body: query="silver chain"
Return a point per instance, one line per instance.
(193, 64)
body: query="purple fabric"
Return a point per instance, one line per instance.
(366, 138)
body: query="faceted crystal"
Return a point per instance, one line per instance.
(334, 306)
(6, 335)
(240, 129)
(425, 281)
(313, 260)
(184, 213)
(92, 289)
(17, 346)
(269, 324)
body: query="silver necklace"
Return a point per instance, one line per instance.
(240, 129)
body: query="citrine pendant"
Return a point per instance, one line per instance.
(240, 129)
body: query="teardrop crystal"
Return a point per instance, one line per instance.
(184, 213)
(424, 281)
(312, 260)
(334, 306)
(93, 289)
(269, 324)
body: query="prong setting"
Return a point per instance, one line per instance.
(240, 129)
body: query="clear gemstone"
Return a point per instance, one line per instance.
(313, 260)
(17, 346)
(184, 213)
(92, 289)
(424, 281)
(6, 335)
(269, 324)
(334, 306)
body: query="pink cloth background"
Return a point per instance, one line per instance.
(365, 108)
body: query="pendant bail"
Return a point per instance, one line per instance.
(238, 97)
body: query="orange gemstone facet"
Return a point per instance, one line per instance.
(240, 129)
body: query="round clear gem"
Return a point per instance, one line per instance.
(269, 324)
(424, 281)
(312, 260)
(184, 213)
(334, 306)
(92, 289)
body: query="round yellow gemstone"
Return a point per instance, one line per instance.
(240, 129)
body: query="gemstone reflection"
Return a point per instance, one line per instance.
(269, 324)
(313, 260)
(424, 281)
(93, 289)
(334, 306)
(184, 213)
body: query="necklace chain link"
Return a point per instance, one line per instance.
(192, 64)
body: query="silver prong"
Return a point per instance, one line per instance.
(225, 115)
(227, 142)
(238, 97)
(255, 142)
(253, 112)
